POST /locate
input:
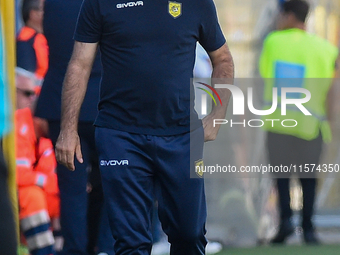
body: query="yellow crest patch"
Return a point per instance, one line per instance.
(175, 9)
(199, 167)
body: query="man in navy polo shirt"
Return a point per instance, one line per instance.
(146, 116)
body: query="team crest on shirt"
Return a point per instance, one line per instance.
(199, 167)
(175, 9)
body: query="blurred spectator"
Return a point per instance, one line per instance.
(202, 67)
(32, 49)
(36, 179)
(60, 19)
(202, 73)
(293, 53)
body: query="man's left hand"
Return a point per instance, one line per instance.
(210, 132)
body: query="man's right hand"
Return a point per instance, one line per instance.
(68, 145)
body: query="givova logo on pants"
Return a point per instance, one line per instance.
(114, 162)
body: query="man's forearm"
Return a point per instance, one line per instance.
(74, 89)
(75, 83)
(223, 73)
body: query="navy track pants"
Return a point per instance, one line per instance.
(134, 168)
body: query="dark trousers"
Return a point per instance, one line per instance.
(8, 241)
(134, 167)
(84, 223)
(286, 150)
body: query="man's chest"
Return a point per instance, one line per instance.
(149, 21)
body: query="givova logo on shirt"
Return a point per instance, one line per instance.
(129, 4)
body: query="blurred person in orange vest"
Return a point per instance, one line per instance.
(32, 48)
(36, 179)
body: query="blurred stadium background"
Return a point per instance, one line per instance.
(242, 211)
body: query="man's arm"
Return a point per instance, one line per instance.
(74, 89)
(223, 72)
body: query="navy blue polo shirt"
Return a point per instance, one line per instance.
(148, 53)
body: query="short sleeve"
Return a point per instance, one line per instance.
(211, 36)
(89, 25)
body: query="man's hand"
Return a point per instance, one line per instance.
(210, 132)
(68, 145)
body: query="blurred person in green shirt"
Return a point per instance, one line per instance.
(293, 58)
